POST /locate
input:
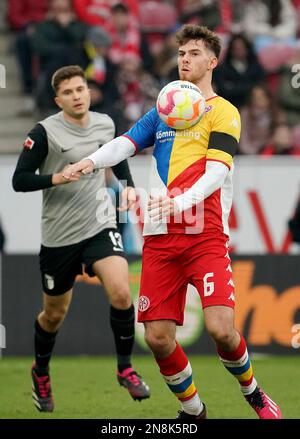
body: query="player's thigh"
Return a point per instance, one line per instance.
(219, 320)
(104, 257)
(59, 267)
(163, 286)
(105, 244)
(113, 273)
(210, 272)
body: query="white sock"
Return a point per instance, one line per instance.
(249, 389)
(193, 406)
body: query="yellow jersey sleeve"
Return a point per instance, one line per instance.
(225, 133)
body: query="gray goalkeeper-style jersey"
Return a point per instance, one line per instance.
(78, 210)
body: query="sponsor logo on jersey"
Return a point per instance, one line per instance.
(166, 135)
(28, 144)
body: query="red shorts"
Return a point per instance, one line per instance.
(171, 262)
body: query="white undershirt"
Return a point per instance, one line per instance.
(121, 148)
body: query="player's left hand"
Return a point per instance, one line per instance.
(85, 166)
(128, 199)
(162, 206)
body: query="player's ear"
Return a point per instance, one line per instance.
(214, 62)
(57, 101)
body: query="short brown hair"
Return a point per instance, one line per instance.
(194, 32)
(66, 72)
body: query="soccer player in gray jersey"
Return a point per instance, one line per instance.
(77, 228)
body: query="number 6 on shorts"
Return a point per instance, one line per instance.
(209, 287)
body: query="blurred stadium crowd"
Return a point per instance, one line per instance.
(128, 51)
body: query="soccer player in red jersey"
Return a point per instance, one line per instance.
(186, 228)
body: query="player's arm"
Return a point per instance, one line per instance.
(140, 136)
(210, 182)
(109, 155)
(222, 146)
(122, 172)
(34, 152)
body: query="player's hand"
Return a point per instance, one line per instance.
(160, 207)
(59, 178)
(84, 166)
(128, 199)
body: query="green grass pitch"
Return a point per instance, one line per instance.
(86, 387)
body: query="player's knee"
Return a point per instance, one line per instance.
(120, 297)
(54, 316)
(222, 336)
(158, 342)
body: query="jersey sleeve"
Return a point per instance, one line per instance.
(225, 135)
(35, 150)
(142, 133)
(122, 172)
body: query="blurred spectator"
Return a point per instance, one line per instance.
(281, 143)
(103, 80)
(232, 13)
(203, 12)
(165, 66)
(23, 17)
(98, 12)
(258, 117)
(238, 72)
(138, 89)
(26, 12)
(92, 12)
(229, 13)
(102, 102)
(58, 41)
(99, 68)
(156, 18)
(289, 89)
(126, 37)
(270, 21)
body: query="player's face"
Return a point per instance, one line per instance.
(73, 97)
(195, 61)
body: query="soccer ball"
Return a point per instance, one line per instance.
(180, 104)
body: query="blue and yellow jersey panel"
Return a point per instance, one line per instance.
(180, 156)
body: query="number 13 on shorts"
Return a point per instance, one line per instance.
(116, 239)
